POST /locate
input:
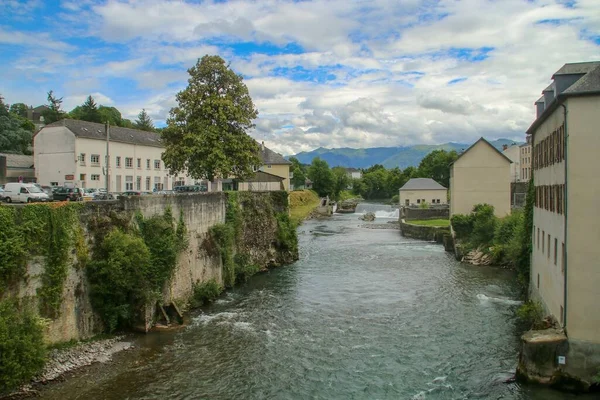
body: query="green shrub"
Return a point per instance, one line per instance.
(121, 280)
(395, 199)
(287, 237)
(12, 247)
(462, 225)
(484, 225)
(531, 314)
(244, 268)
(206, 292)
(506, 228)
(22, 349)
(424, 205)
(223, 236)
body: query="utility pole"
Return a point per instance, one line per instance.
(107, 130)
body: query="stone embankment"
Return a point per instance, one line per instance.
(477, 257)
(431, 233)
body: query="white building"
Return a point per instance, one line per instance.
(72, 152)
(419, 191)
(513, 152)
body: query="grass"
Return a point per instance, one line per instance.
(302, 202)
(431, 222)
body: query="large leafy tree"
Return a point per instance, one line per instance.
(54, 112)
(88, 111)
(321, 177)
(341, 181)
(206, 133)
(14, 137)
(144, 122)
(436, 165)
(19, 109)
(110, 115)
(299, 172)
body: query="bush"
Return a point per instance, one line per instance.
(484, 226)
(223, 236)
(287, 238)
(206, 292)
(395, 199)
(244, 269)
(462, 225)
(121, 280)
(424, 205)
(12, 248)
(22, 349)
(531, 314)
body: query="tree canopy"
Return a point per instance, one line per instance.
(144, 122)
(436, 165)
(54, 112)
(16, 133)
(321, 176)
(206, 132)
(299, 171)
(88, 111)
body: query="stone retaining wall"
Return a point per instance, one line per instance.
(425, 213)
(432, 233)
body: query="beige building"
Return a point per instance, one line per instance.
(514, 154)
(274, 164)
(525, 160)
(481, 174)
(16, 166)
(565, 275)
(418, 191)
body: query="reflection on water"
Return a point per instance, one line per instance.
(365, 314)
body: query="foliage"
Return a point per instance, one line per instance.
(54, 112)
(88, 111)
(348, 195)
(436, 165)
(22, 349)
(110, 115)
(287, 238)
(530, 314)
(302, 202)
(524, 240)
(424, 205)
(299, 172)
(144, 122)
(431, 222)
(206, 133)
(341, 181)
(321, 177)
(206, 292)
(507, 238)
(223, 236)
(16, 134)
(12, 247)
(484, 225)
(462, 225)
(120, 278)
(19, 109)
(244, 268)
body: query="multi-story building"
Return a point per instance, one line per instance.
(525, 160)
(73, 152)
(565, 276)
(481, 174)
(512, 152)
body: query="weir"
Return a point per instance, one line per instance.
(380, 210)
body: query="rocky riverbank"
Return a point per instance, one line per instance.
(63, 361)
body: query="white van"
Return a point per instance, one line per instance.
(23, 193)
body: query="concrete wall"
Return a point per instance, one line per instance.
(414, 197)
(583, 233)
(425, 213)
(481, 175)
(513, 152)
(54, 155)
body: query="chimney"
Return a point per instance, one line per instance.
(262, 146)
(504, 147)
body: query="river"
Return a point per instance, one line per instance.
(364, 314)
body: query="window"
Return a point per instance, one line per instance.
(139, 163)
(53, 183)
(548, 246)
(562, 264)
(157, 184)
(538, 281)
(128, 162)
(23, 190)
(538, 239)
(407, 202)
(82, 177)
(95, 177)
(269, 166)
(138, 182)
(543, 241)
(147, 163)
(95, 159)
(418, 201)
(118, 162)
(555, 250)
(432, 201)
(156, 164)
(82, 159)
(148, 183)
(128, 182)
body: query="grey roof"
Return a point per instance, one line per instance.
(268, 156)
(422, 184)
(93, 130)
(588, 83)
(486, 142)
(549, 88)
(18, 160)
(540, 100)
(577, 68)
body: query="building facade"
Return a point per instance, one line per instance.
(15, 167)
(481, 174)
(514, 154)
(525, 160)
(274, 164)
(565, 276)
(419, 191)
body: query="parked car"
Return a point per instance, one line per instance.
(62, 193)
(104, 196)
(165, 192)
(190, 188)
(23, 193)
(49, 190)
(2, 194)
(129, 193)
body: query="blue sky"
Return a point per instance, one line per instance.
(322, 73)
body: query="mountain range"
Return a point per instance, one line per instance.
(389, 157)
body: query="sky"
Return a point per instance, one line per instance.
(335, 73)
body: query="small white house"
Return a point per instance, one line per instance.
(419, 191)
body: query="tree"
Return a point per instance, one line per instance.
(54, 112)
(14, 138)
(394, 181)
(88, 111)
(3, 107)
(321, 176)
(299, 172)
(144, 122)
(110, 115)
(206, 133)
(341, 181)
(19, 109)
(436, 165)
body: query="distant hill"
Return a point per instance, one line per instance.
(389, 157)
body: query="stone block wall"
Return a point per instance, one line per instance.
(426, 213)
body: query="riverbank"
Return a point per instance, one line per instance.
(302, 204)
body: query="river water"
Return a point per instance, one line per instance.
(364, 314)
